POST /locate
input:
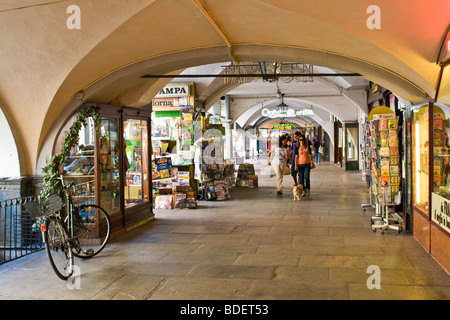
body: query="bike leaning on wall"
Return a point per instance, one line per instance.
(71, 232)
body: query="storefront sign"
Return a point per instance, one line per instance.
(171, 102)
(174, 90)
(383, 116)
(290, 113)
(440, 211)
(285, 126)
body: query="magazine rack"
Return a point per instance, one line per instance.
(382, 141)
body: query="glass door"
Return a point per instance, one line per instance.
(136, 162)
(109, 165)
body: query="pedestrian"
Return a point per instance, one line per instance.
(292, 155)
(279, 156)
(309, 143)
(303, 166)
(317, 153)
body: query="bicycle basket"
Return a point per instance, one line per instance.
(44, 207)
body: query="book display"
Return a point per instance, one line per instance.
(174, 186)
(246, 177)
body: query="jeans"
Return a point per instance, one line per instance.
(317, 156)
(304, 171)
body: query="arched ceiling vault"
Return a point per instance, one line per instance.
(45, 64)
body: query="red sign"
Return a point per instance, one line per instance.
(445, 49)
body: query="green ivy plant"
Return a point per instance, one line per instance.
(70, 140)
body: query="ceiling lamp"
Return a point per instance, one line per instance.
(282, 107)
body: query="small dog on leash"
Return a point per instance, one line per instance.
(297, 191)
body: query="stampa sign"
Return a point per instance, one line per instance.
(169, 91)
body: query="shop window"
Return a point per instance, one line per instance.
(440, 205)
(420, 159)
(109, 165)
(441, 169)
(136, 162)
(80, 165)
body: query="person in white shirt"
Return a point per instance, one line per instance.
(278, 157)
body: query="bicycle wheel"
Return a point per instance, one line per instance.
(92, 229)
(58, 247)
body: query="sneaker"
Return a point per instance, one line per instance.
(279, 193)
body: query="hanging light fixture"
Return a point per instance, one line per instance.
(282, 107)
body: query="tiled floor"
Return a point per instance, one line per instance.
(255, 246)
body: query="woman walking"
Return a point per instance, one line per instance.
(279, 155)
(317, 153)
(303, 162)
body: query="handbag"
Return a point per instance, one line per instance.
(286, 170)
(321, 150)
(312, 165)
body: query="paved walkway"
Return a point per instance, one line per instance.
(255, 246)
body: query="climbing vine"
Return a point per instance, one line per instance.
(70, 140)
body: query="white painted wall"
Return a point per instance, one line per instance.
(9, 159)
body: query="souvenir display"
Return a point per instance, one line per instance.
(382, 142)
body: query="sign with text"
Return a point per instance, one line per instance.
(285, 126)
(440, 211)
(170, 102)
(290, 113)
(174, 90)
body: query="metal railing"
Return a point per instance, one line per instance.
(20, 235)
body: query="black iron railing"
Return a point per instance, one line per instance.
(20, 235)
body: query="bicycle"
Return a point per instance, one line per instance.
(75, 234)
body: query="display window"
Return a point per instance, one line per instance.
(109, 165)
(440, 198)
(112, 170)
(441, 169)
(136, 162)
(420, 159)
(80, 165)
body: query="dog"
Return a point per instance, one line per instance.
(297, 191)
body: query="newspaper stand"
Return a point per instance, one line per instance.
(385, 169)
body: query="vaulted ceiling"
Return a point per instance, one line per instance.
(48, 69)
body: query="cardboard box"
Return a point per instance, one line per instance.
(179, 200)
(182, 189)
(165, 191)
(164, 202)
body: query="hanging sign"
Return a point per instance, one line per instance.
(290, 113)
(174, 90)
(170, 102)
(285, 126)
(440, 211)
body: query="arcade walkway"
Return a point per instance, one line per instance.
(256, 246)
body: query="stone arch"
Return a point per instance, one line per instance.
(128, 77)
